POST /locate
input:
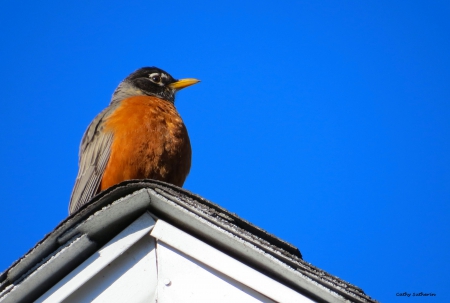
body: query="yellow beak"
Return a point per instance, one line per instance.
(180, 84)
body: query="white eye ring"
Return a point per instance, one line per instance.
(155, 77)
(158, 78)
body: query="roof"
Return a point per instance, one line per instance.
(84, 232)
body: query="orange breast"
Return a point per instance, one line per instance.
(150, 141)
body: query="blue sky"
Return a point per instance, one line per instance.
(324, 122)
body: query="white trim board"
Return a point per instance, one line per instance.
(99, 260)
(225, 264)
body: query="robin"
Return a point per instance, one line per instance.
(140, 135)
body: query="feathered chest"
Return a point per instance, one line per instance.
(149, 121)
(150, 140)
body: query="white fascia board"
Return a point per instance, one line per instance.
(184, 279)
(99, 260)
(131, 278)
(225, 264)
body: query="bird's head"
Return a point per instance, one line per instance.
(151, 81)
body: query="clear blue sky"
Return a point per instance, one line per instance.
(327, 123)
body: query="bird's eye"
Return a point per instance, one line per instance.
(156, 78)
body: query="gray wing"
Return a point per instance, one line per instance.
(95, 150)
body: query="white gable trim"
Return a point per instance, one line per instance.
(225, 264)
(184, 279)
(182, 242)
(108, 253)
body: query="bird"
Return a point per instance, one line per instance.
(140, 135)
